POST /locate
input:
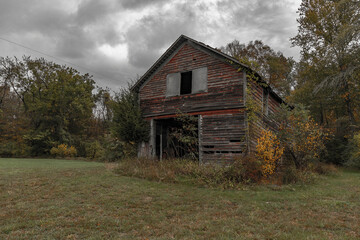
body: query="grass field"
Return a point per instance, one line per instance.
(62, 199)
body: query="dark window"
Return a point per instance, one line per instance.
(186, 83)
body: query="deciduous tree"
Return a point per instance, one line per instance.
(329, 37)
(58, 100)
(128, 124)
(273, 67)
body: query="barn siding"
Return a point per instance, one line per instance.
(223, 137)
(255, 127)
(225, 86)
(264, 121)
(274, 104)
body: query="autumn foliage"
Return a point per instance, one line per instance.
(298, 142)
(303, 139)
(63, 151)
(269, 152)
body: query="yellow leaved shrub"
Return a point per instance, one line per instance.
(269, 152)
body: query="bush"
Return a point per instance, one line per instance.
(289, 175)
(63, 150)
(292, 175)
(14, 149)
(115, 149)
(353, 152)
(325, 168)
(244, 170)
(94, 150)
(302, 138)
(148, 168)
(269, 152)
(112, 150)
(336, 151)
(185, 137)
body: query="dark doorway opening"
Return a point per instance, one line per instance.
(177, 138)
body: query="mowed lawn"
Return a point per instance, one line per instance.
(63, 199)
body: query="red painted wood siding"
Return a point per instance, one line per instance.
(225, 86)
(264, 122)
(223, 137)
(274, 105)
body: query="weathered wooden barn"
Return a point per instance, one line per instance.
(196, 79)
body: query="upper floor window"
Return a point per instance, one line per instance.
(186, 82)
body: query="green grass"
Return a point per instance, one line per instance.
(62, 199)
(19, 165)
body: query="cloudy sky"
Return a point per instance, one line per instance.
(118, 40)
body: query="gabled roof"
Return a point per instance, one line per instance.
(175, 46)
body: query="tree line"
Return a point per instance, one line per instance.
(46, 108)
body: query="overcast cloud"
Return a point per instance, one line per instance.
(117, 41)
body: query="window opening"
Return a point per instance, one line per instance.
(186, 83)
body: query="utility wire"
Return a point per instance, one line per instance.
(57, 58)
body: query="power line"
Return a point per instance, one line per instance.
(57, 58)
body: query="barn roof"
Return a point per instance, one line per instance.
(217, 53)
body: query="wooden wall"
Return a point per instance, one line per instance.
(223, 137)
(265, 121)
(225, 86)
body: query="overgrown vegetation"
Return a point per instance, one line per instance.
(303, 139)
(184, 137)
(244, 170)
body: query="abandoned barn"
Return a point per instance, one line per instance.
(194, 79)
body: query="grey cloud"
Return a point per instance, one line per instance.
(90, 11)
(17, 16)
(72, 36)
(74, 43)
(110, 36)
(155, 32)
(270, 21)
(136, 4)
(108, 74)
(55, 23)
